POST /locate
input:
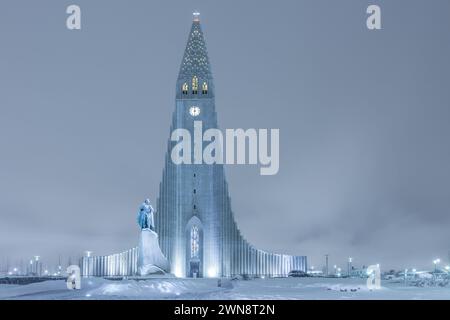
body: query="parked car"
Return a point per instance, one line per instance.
(297, 273)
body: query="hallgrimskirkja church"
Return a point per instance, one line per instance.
(193, 220)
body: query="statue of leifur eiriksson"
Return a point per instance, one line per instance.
(151, 259)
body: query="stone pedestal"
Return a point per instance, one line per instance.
(151, 259)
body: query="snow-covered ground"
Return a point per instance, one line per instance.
(173, 288)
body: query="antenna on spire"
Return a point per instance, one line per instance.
(196, 15)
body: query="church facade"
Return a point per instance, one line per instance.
(194, 220)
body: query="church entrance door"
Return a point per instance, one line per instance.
(194, 270)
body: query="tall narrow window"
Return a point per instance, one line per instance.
(185, 88)
(204, 88)
(194, 85)
(195, 239)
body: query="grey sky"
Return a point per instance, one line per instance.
(363, 116)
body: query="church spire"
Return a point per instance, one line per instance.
(195, 61)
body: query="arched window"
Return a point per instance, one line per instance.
(204, 88)
(194, 85)
(195, 239)
(185, 88)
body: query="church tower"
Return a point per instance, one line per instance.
(196, 227)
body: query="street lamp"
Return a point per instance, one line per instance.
(436, 262)
(349, 266)
(88, 255)
(36, 267)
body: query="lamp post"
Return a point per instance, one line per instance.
(436, 262)
(349, 266)
(37, 269)
(88, 258)
(30, 268)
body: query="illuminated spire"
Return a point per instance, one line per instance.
(195, 60)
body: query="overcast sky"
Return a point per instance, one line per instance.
(363, 116)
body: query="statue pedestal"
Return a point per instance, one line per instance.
(151, 259)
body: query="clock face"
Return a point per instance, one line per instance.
(194, 111)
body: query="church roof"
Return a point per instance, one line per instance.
(195, 60)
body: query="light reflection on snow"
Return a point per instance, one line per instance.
(282, 288)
